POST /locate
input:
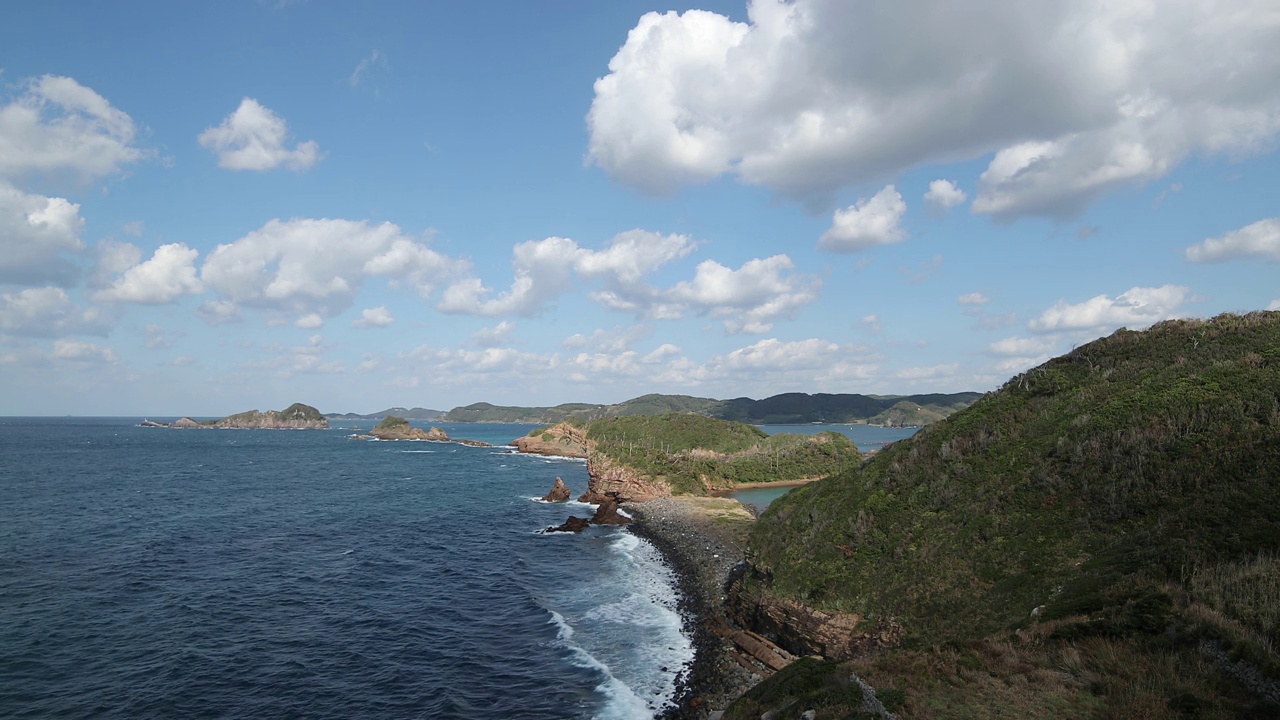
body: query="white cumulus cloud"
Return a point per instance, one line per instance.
(58, 126)
(973, 298)
(750, 298)
(254, 138)
(49, 312)
(310, 321)
(37, 236)
(1023, 346)
(168, 275)
(944, 193)
(870, 222)
(304, 266)
(374, 317)
(809, 96)
(1260, 239)
(493, 336)
(1135, 308)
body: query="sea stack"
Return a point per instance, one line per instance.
(607, 513)
(559, 492)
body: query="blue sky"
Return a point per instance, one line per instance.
(206, 208)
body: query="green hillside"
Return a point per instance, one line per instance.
(1127, 491)
(695, 454)
(789, 408)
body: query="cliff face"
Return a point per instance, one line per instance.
(803, 630)
(295, 417)
(612, 480)
(562, 440)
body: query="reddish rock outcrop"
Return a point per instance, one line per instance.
(559, 492)
(620, 482)
(185, 422)
(561, 440)
(607, 514)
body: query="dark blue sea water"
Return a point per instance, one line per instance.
(250, 573)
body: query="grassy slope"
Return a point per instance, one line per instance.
(1100, 485)
(694, 453)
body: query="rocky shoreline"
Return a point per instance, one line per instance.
(703, 540)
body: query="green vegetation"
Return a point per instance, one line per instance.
(789, 408)
(390, 425)
(1110, 506)
(695, 454)
(296, 415)
(804, 684)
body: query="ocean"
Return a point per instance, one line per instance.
(149, 572)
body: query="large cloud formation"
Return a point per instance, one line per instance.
(810, 96)
(306, 266)
(56, 130)
(748, 299)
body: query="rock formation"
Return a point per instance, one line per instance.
(607, 514)
(559, 492)
(562, 440)
(185, 422)
(573, 524)
(808, 631)
(609, 479)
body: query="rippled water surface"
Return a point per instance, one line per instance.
(198, 573)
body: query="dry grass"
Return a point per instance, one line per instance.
(1030, 675)
(1246, 592)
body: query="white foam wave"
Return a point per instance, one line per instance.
(564, 630)
(623, 703)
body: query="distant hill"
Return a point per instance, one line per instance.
(1118, 506)
(406, 413)
(789, 408)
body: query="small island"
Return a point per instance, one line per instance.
(295, 417)
(398, 428)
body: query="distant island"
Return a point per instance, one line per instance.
(416, 413)
(398, 428)
(295, 417)
(784, 409)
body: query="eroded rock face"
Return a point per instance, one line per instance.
(573, 524)
(185, 422)
(803, 630)
(559, 492)
(620, 482)
(436, 434)
(607, 514)
(561, 439)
